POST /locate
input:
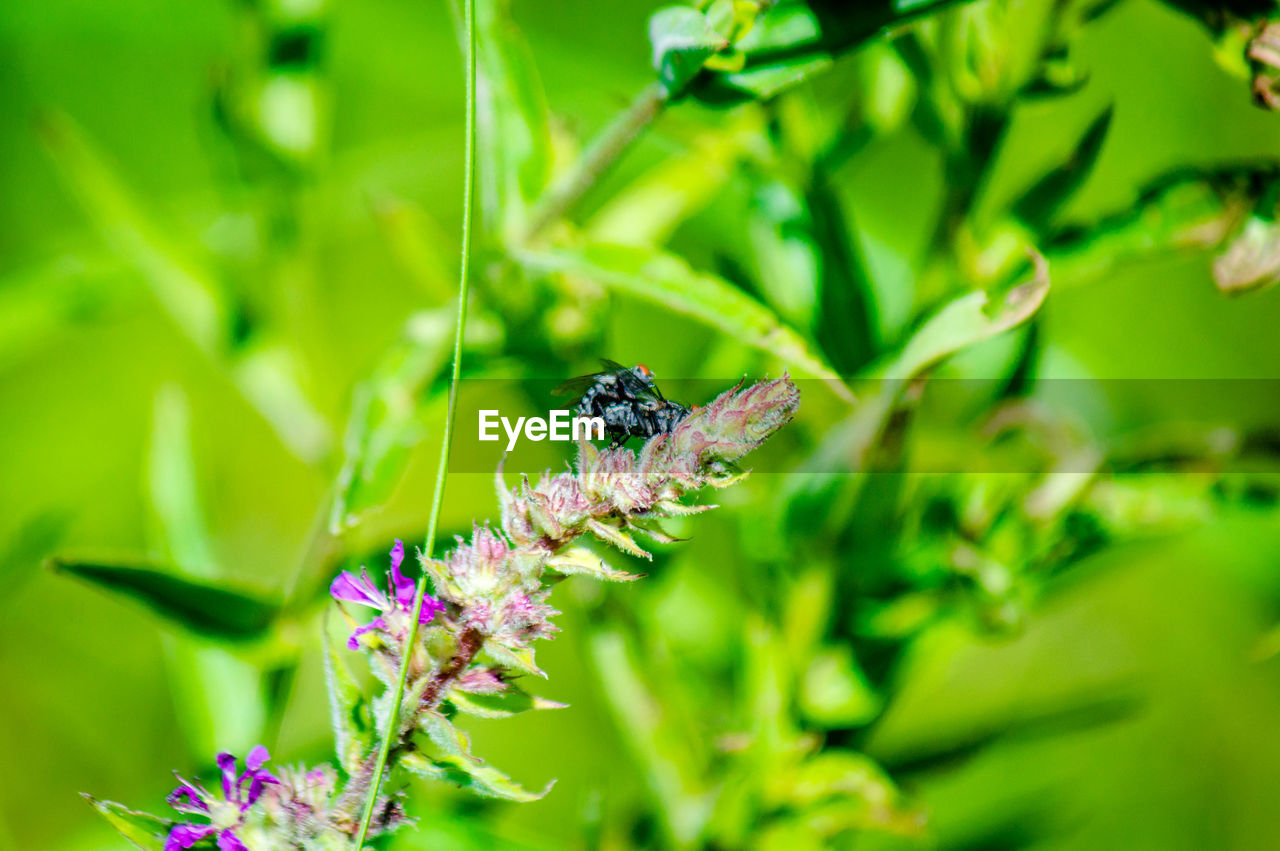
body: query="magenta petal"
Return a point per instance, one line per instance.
(406, 588)
(430, 608)
(260, 781)
(347, 587)
(397, 554)
(188, 798)
(256, 758)
(354, 641)
(186, 835)
(227, 763)
(227, 841)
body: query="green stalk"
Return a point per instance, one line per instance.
(599, 157)
(393, 715)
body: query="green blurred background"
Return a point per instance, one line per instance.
(1135, 705)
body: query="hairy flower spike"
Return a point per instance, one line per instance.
(490, 604)
(496, 579)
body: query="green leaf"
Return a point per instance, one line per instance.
(513, 659)
(580, 561)
(482, 779)
(1038, 207)
(838, 791)
(141, 829)
(348, 710)
(173, 487)
(511, 701)
(969, 319)
(514, 146)
(386, 419)
(267, 375)
(682, 40)
(963, 322)
(185, 292)
(672, 764)
(834, 691)
(444, 735)
(669, 282)
(221, 692)
(205, 609)
(796, 39)
(648, 210)
(1187, 207)
(31, 542)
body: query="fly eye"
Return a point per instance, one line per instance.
(644, 370)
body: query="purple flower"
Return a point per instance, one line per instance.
(396, 610)
(225, 814)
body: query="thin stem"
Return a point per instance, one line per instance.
(600, 155)
(410, 643)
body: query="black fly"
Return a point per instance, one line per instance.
(627, 399)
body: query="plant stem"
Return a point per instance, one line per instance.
(600, 155)
(469, 644)
(437, 498)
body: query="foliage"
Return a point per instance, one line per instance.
(922, 210)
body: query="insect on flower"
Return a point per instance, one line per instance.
(627, 399)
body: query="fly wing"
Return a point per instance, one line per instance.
(576, 386)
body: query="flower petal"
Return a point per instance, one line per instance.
(227, 763)
(430, 608)
(406, 588)
(186, 835)
(260, 781)
(187, 799)
(354, 641)
(347, 587)
(256, 758)
(228, 841)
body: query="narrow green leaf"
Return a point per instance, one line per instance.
(967, 320)
(220, 691)
(206, 609)
(35, 537)
(267, 375)
(444, 735)
(141, 829)
(668, 281)
(963, 322)
(515, 147)
(348, 710)
(270, 376)
(173, 488)
(511, 701)
(514, 659)
(580, 561)
(186, 292)
(482, 779)
(670, 763)
(1186, 207)
(650, 208)
(682, 40)
(1038, 207)
(386, 419)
